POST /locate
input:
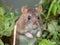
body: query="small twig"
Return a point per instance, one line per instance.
(46, 23)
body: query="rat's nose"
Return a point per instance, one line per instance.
(35, 23)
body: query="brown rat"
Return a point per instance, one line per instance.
(28, 26)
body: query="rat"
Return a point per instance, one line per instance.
(28, 26)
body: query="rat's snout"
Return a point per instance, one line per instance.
(35, 24)
(34, 20)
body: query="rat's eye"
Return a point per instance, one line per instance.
(29, 17)
(38, 17)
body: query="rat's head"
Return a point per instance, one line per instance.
(32, 17)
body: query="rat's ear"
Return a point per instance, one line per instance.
(39, 9)
(24, 9)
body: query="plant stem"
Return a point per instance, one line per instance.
(43, 15)
(50, 8)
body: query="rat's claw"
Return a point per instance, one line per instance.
(38, 33)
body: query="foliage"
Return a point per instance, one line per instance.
(7, 22)
(51, 20)
(1, 43)
(5, 6)
(46, 42)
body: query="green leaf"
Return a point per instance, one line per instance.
(54, 8)
(8, 31)
(52, 27)
(1, 43)
(46, 42)
(7, 22)
(1, 11)
(5, 6)
(50, 8)
(58, 7)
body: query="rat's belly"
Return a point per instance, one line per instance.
(23, 40)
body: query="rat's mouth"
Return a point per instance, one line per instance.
(35, 25)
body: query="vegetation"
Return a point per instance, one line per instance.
(7, 22)
(51, 22)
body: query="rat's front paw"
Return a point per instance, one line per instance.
(29, 35)
(38, 33)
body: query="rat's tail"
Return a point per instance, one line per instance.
(14, 37)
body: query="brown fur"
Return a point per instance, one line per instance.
(22, 22)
